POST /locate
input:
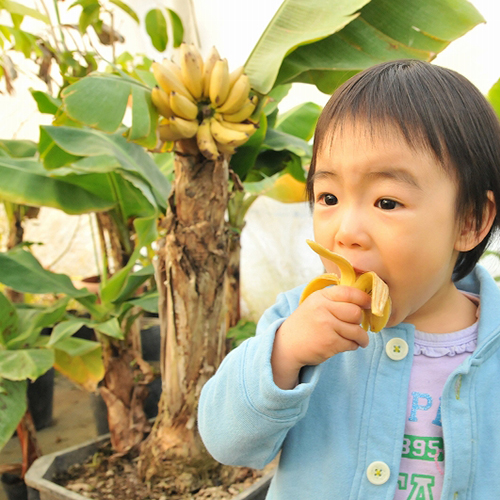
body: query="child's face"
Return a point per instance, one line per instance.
(390, 209)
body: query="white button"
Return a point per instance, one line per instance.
(396, 349)
(378, 472)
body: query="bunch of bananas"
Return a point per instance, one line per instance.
(203, 99)
(378, 316)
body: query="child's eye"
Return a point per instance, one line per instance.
(328, 199)
(386, 204)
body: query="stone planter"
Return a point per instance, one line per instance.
(40, 485)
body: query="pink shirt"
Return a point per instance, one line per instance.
(423, 459)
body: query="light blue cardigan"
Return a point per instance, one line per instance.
(350, 411)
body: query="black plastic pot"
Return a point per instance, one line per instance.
(39, 476)
(151, 339)
(14, 487)
(41, 400)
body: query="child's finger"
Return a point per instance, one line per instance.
(348, 294)
(354, 333)
(346, 312)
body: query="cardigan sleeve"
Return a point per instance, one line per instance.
(243, 417)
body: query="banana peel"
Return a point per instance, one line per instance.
(375, 318)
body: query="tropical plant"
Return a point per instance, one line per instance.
(85, 171)
(26, 354)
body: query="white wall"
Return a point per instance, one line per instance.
(274, 256)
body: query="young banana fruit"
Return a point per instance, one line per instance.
(375, 318)
(203, 99)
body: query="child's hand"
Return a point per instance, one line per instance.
(325, 324)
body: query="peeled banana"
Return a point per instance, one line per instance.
(377, 317)
(203, 99)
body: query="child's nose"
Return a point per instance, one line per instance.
(352, 230)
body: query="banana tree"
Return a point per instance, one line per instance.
(304, 42)
(89, 171)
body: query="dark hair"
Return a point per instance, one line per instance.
(436, 109)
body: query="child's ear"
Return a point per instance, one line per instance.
(470, 236)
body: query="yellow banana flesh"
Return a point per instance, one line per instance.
(377, 317)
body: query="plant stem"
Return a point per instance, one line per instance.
(58, 16)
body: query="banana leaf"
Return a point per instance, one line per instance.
(13, 404)
(494, 97)
(19, 148)
(315, 43)
(9, 320)
(25, 363)
(136, 165)
(100, 101)
(299, 121)
(22, 272)
(86, 370)
(27, 182)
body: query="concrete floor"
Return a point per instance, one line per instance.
(73, 423)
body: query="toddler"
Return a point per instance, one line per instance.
(404, 181)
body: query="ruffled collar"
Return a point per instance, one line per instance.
(435, 345)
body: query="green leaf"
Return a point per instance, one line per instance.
(244, 159)
(279, 141)
(295, 23)
(24, 42)
(45, 102)
(51, 154)
(144, 117)
(385, 30)
(64, 330)
(494, 97)
(26, 182)
(8, 320)
(48, 316)
(126, 9)
(111, 328)
(276, 95)
(300, 121)
(17, 8)
(136, 164)
(148, 301)
(25, 363)
(86, 370)
(19, 148)
(98, 100)
(89, 15)
(156, 28)
(177, 28)
(133, 282)
(22, 272)
(75, 346)
(243, 330)
(13, 405)
(316, 44)
(113, 291)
